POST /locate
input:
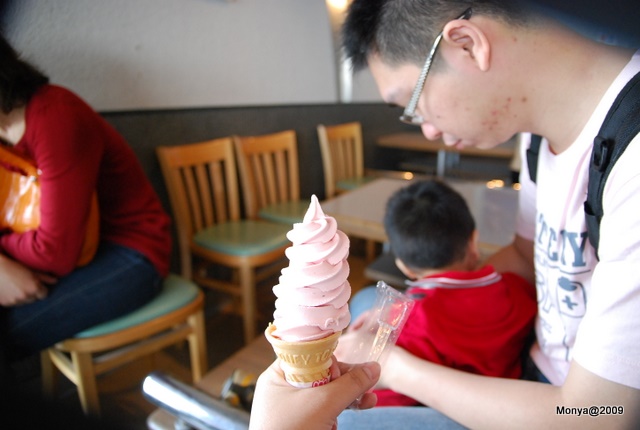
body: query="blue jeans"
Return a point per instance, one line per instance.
(117, 281)
(362, 301)
(405, 418)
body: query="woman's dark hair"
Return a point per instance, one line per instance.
(429, 225)
(19, 80)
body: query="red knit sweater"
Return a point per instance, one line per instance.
(79, 152)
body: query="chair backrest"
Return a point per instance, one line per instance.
(268, 166)
(341, 149)
(202, 183)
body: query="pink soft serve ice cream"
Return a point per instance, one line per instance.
(313, 290)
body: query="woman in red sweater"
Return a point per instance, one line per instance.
(44, 296)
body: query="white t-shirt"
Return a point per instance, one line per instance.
(588, 310)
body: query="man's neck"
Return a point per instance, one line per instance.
(564, 85)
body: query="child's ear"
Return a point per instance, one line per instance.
(404, 269)
(472, 247)
(469, 42)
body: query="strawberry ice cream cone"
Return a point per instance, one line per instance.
(305, 364)
(313, 291)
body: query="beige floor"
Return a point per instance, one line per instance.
(121, 398)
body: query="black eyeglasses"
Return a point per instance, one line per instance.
(409, 115)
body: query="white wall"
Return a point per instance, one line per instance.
(148, 54)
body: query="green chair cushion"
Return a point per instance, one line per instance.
(286, 213)
(243, 238)
(353, 183)
(176, 292)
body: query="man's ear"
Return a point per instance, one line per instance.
(471, 41)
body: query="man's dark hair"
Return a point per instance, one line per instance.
(402, 31)
(429, 225)
(19, 80)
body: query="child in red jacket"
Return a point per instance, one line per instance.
(466, 317)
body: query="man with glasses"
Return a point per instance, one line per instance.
(474, 73)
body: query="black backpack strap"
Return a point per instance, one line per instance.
(620, 126)
(532, 156)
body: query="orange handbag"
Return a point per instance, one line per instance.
(20, 201)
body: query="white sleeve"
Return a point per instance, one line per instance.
(608, 339)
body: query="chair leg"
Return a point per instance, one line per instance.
(186, 264)
(370, 250)
(86, 383)
(197, 346)
(49, 375)
(248, 291)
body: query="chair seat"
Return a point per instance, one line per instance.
(174, 316)
(176, 292)
(286, 213)
(243, 238)
(353, 183)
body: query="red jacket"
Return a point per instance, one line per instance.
(477, 322)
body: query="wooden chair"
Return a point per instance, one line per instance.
(175, 315)
(202, 183)
(270, 178)
(342, 158)
(343, 163)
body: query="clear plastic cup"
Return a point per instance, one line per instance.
(372, 341)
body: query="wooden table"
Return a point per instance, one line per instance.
(417, 142)
(360, 212)
(253, 358)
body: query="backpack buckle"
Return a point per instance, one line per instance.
(601, 154)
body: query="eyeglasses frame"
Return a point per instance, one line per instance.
(409, 115)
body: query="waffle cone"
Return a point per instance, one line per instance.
(305, 364)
